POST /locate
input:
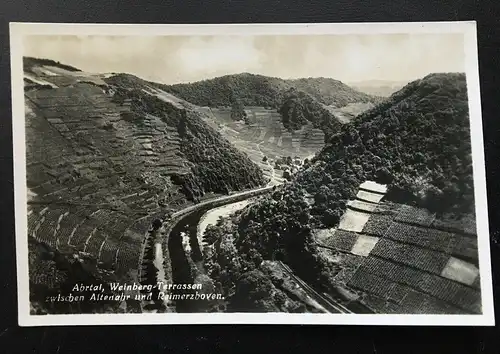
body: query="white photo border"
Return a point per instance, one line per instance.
(467, 28)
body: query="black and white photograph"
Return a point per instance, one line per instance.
(306, 174)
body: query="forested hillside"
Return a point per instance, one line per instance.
(249, 89)
(299, 108)
(300, 101)
(258, 90)
(332, 92)
(213, 161)
(417, 142)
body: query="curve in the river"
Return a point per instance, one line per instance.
(187, 221)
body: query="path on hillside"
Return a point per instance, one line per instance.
(274, 179)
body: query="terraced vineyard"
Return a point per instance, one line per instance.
(109, 154)
(415, 261)
(99, 170)
(413, 253)
(265, 136)
(262, 135)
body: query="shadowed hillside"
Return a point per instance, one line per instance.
(417, 142)
(299, 108)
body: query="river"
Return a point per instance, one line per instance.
(185, 247)
(184, 252)
(212, 216)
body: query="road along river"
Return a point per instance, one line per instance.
(178, 265)
(211, 217)
(187, 260)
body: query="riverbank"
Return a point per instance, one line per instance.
(211, 217)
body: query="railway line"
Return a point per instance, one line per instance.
(330, 305)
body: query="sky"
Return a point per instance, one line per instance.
(176, 59)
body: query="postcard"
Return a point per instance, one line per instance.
(252, 173)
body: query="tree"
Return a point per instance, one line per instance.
(331, 217)
(238, 110)
(253, 292)
(383, 175)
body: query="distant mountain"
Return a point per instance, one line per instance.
(332, 92)
(29, 63)
(258, 90)
(381, 88)
(319, 94)
(417, 142)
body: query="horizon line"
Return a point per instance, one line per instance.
(347, 83)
